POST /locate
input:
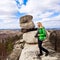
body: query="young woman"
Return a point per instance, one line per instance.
(41, 35)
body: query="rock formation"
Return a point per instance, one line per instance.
(31, 49)
(26, 23)
(55, 39)
(16, 50)
(27, 48)
(29, 37)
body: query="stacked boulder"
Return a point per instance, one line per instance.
(31, 49)
(26, 23)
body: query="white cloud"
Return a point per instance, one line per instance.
(37, 7)
(56, 18)
(41, 10)
(53, 22)
(45, 14)
(21, 1)
(8, 9)
(8, 6)
(9, 24)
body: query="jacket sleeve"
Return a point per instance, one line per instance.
(36, 33)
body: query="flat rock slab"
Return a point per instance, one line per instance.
(30, 53)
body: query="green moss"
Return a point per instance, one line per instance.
(10, 43)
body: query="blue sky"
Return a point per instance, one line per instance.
(45, 11)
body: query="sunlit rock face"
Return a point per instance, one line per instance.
(26, 23)
(30, 37)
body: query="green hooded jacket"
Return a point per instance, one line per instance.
(41, 34)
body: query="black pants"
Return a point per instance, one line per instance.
(41, 48)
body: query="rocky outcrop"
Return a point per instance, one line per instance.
(29, 37)
(30, 53)
(55, 39)
(26, 23)
(26, 18)
(31, 49)
(19, 45)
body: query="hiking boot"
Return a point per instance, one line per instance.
(39, 54)
(47, 54)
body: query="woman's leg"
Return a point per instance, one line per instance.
(45, 50)
(40, 47)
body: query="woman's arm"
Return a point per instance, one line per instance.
(36, 33)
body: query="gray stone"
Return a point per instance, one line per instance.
(29, 37)
(26, 23)
(26, 18)
(30, 53)
(55, 39)
(19, 41)
(16, 52)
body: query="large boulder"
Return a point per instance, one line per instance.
(26, 23)
(26, 18)
(29, 37)
(30, 53)
(55, 39)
